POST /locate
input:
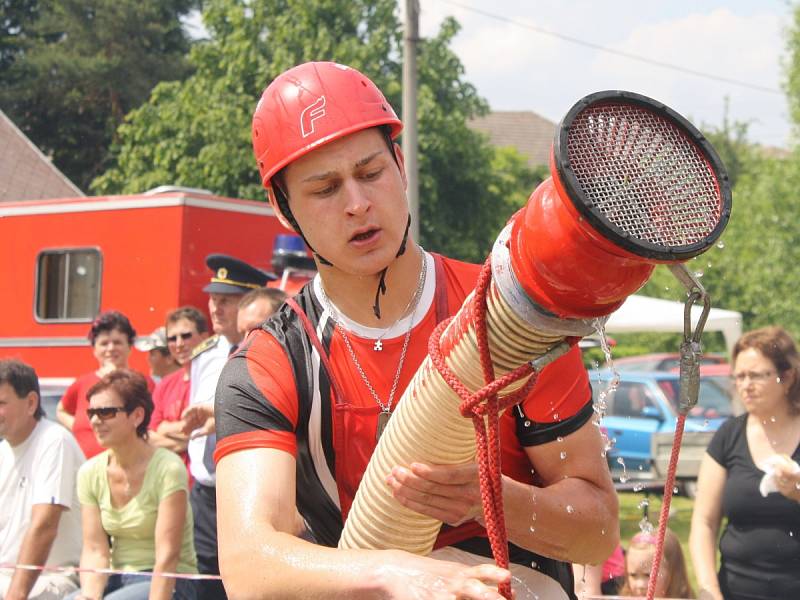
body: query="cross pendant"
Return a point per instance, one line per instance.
(378, 346)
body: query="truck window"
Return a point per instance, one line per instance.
(68, 284)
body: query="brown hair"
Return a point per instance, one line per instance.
(131, 387)
(779, 347)
(274, 295)
(190, 313)
(109, 321)
(22, 378)
(672, 564)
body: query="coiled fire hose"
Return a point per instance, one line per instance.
(633, 185)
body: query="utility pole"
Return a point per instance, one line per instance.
(410, 112)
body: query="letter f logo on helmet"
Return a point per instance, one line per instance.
(310, 114)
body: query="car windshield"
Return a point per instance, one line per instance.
(714, 399)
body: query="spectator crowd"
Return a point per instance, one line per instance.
(125, 485)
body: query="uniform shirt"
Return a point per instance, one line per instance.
(205, 370)
(273, 394)
(132, 527)
(41, 470)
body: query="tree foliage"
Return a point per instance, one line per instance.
(78, 66)
(15, 17)
(197, 132)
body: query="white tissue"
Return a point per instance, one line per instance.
(769, 482)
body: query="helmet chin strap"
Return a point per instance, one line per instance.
(376, 308)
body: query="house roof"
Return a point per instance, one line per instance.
(26, 173)
(531, 134)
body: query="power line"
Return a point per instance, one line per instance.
(649, 61)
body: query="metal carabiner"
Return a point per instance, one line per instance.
(691, 349)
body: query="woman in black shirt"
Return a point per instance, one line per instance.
(760, 546)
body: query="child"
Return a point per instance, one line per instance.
(672, 579)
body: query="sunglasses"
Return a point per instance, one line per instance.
(104, 413)
(184, 336)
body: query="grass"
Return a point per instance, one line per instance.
(631, 512)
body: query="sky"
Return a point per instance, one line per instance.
(516, 65)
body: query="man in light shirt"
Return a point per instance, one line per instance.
(40, 520)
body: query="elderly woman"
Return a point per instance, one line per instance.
(111, 336)
(760, 546)
(134, 499)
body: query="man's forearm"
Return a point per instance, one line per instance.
(573, 520)
(163, 438)
(34, 550)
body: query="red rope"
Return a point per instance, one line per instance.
(664, 516)
(485, 403)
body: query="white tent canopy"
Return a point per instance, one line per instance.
(640, 314)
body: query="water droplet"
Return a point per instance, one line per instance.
(533, 529)
(602, 532)
(646, 526)
(624, 477)
(533, 517)
(699, 273)
(555, 416)
(563, 455)
(644, 504)
(772, 419)
(720, 245)
(675, 490)
(559, 439)
(639, 486)
(666, 288)
(570, 509)
(527, 423)
(708, 265)
(705, 424)
(534, 564)
(152, 308)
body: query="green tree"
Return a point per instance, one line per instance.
(15, 17)
(197, 132)
(82, 65)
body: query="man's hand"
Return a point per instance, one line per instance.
(198, 420)
(448, 493)
(410, 577)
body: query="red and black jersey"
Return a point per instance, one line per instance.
(275, 393)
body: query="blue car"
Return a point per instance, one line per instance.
(644, 406)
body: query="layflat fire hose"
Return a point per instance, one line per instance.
(633, 184)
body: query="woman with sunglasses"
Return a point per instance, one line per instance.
(111, 336)
(134, 499)
(760, 545)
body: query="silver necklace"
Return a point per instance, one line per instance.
(386, 409)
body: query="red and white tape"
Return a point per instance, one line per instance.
(71, 570)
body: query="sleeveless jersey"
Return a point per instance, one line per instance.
(275, 393)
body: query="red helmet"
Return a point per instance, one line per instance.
(308, 106)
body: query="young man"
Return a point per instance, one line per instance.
(186, 327)
(323, 135)
(40, 519)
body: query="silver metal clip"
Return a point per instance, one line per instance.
(691, 349)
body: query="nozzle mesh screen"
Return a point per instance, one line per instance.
(644, 174)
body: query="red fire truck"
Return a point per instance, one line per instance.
(67, 260)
